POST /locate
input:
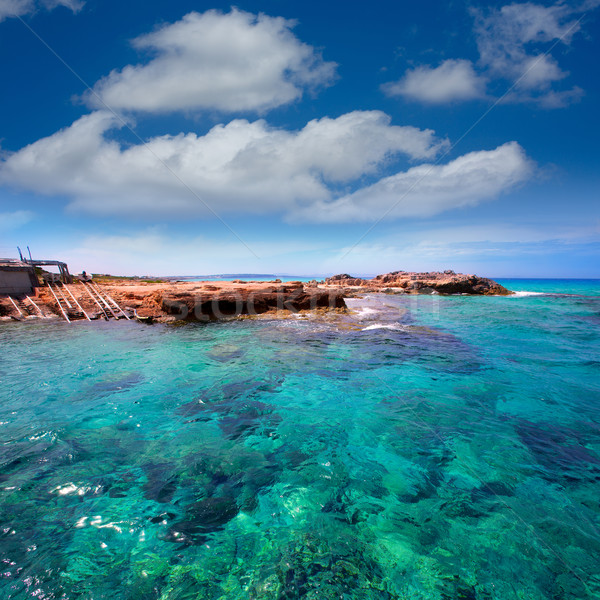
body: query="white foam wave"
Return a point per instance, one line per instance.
(365, 312)
(525, 294)
(392, 326)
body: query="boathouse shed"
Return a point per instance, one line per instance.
(16, 277)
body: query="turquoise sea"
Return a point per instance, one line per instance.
(425, 447)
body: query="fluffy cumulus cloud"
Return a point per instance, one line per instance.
(452, 80)
(223, 62)
(243, 165)
(18, 8)
(250, 167)
(427, 190)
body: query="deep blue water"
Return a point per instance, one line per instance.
(586, 287)
(425, 447)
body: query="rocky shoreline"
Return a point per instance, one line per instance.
(209, 300)
(177, 301)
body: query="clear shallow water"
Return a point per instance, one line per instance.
(428, 448)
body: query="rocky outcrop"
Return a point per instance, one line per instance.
(207, 301)
(447, 282)
(204, 306)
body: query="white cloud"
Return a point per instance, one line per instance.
(452, 80)
(427, 190)
(239, 167)
(15, 8)
(18, 8)
(513, 42)
(539, 72)
(74, 5)
(223, 62)
(15, 220)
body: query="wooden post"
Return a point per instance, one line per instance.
(18, 309)
(94, 299)
(79, 305)
(63, 297)
(95, 288)
(37, 307)
(59, 304)
(69, 276)
(106, 294)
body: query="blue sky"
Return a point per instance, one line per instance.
(302, 137)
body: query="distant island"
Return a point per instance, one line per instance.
(221, 276)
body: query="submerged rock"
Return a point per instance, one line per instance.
(225, 352)
(203, 517)
(212, 513)
(560, 452)
(162, 484)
